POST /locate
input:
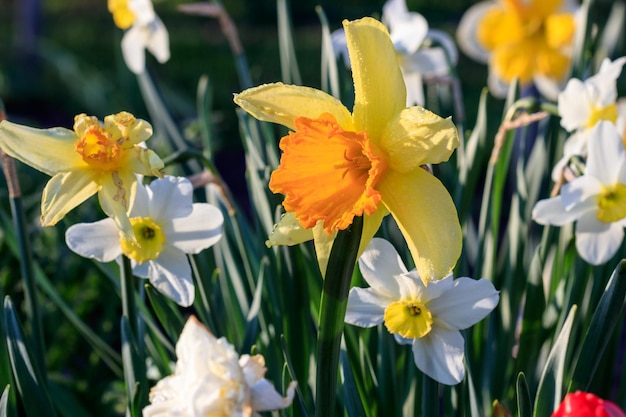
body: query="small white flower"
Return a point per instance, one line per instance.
(596, 201)
(212, 380)
(410, 36)
(427, 317)
(584, 103)
(167, 226)
(146, 31)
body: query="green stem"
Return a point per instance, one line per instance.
(430, 397)
(129, 309)
(332, 313)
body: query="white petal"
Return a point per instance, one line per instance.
(170, 198)
(402, 340)
(266, 398)
(441, 38)
(427, 62)
(408, 34)
(414, 89)
(580, 194)
(379, 264)
(99, 240)
(417, 290)
(158, 42)
(366, 307)
(574, 105)
(551, 211)
(466, 303)
(141, 203)
(133, 49)
(170, 273)
(198, 231)
(143, 10)
(340, 46)
(394, 11)
(597, 242)
(548, 87)
(604, 82)
(467, 32)
(605, 151)
(440, 354)
(141, 270)
(497, 86)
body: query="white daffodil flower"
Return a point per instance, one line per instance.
(596, 201)
(427, 317)
(212, 380)
(584, 103)
(167, 227)
(411, 38)
(145, 31)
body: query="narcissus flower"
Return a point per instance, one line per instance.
(146, 31)
(585, 404)
(93, 158)
(167, 227)
(584, 103)
(427, 317)
(529, 40)
(422, 52)
(596, 201)
(212, 380)
(337, 165)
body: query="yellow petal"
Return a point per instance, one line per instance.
(145, 162)
(116, 196)
(427, 218)
(64, 192)
(560, 30)
(416, 137)
(282, 104)
(288, 232)
(124, 125)
(324, 242)
(380, 93)
(48, 150)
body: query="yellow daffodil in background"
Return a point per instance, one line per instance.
(145, 31)
(337, 165)
(93, 158)
(530, 40)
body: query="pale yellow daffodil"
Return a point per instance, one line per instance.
(92, 158)
(337, 165)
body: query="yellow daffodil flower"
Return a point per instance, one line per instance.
(337, 165)
(93, 158)
(528, 40)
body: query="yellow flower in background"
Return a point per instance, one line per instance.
(337, 164)
(123, 16)
(93, 158)
(530, 40)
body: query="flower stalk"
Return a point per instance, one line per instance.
(332, 312)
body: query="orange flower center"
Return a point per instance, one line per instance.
(98, 150)
(327, 173)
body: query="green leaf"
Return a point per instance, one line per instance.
(168, 315)
(607, 315)
(350, 391)
(551, 382)
(134, 371)
(4, 401)
(30, 384)
(524, 403)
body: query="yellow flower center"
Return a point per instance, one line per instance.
(408, 318)
(327, 173)
(150, 240)
(528, 38)
(122, 15)
(612, 203)
(98, 150)
(608, 113)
